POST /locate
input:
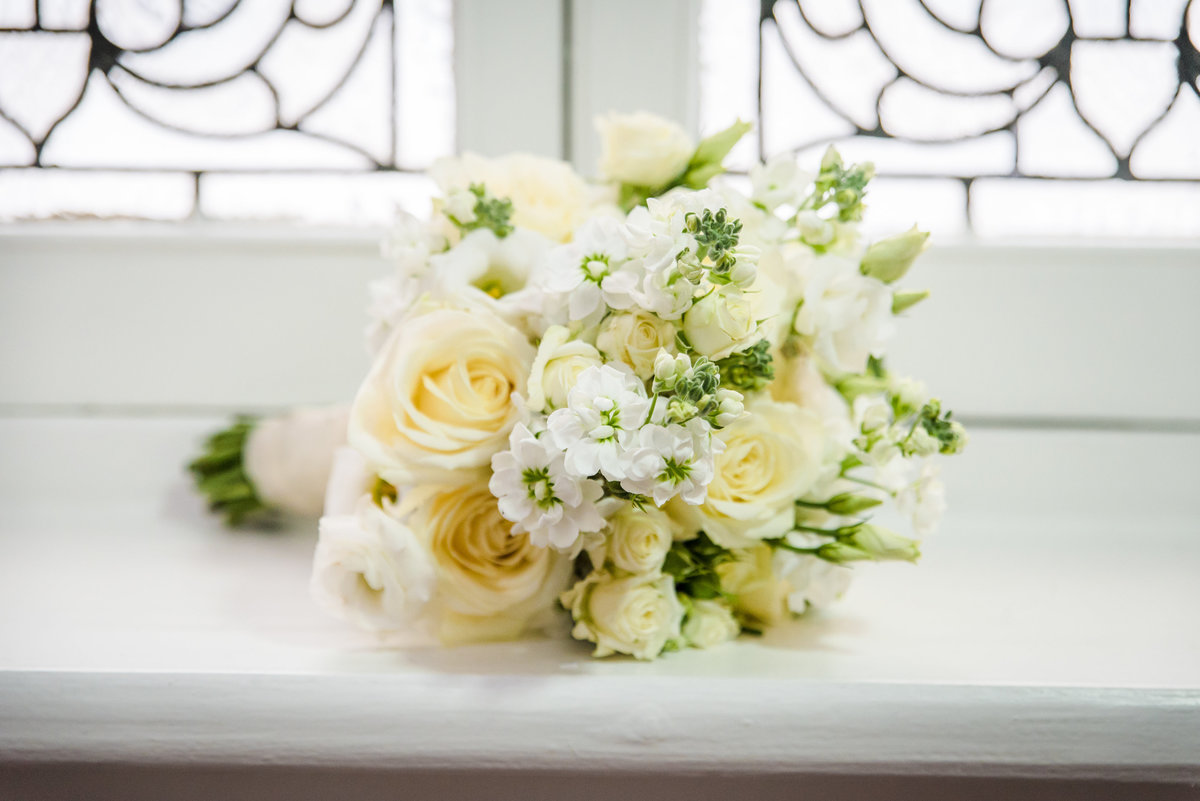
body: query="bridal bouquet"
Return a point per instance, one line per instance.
(655, 405)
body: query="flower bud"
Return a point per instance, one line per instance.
(871, 543)
(958, 439)
(889, 259)
(729, 407)
(743, 273)
(664, 368)
(882, 543)
(911, 393)
(922, 443)
(848, 504)
(906, 299)
(872, 413)
(831, 160)
(460, 206)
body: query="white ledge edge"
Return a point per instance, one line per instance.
(621, 724)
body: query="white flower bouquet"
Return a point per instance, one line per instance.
(654, 404)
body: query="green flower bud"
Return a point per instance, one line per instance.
(832, 160)
(889, 259)
(849, 504)
(871, 543)
(906, 299)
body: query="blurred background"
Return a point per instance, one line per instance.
(192, 192)
(1023, 117)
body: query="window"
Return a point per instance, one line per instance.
(1014, 118)
(313, 110)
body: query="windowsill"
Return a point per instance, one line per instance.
(1048, 632)
(284, 232)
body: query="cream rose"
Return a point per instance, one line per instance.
(709, 623)
(637, 615)
(757, 591)
(721, 323)
(638, 541)
(547, 195)
(558, 364)
(491, 584)
(438, 397)
(642, 149)
(635, 338)
(772, 457)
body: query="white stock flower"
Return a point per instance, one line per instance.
(369, 568)
(810, 580)
(709, 624)
(642, 149)
(720, 324)
(924, 501)
(547, 195)
(846, 315)
(410, 243)
(637, 540)
(604, 410)
(636, 615)
(778, 182)
(872, 413)
(538, 496)
(772, 457)
(492, 583)
(636, 339)
(665, 293)
(288, 458)
(670, 461)
(439, 396)
(588, 276)
(556, 368)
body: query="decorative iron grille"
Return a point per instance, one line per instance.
(306, 109)
(1006, 116)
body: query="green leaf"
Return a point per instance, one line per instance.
(713, 149)
(698, 177)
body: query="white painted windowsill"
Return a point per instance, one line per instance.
(1049, 632)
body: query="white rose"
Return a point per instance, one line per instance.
(556, 368)
(638, 541)
(721, 323)
(709, 623)
(439, 395)
(288, 458)
(635, 338)
(772, 457)
(547, 195)
(369, 568)
(642, 149)
(637, 615)
(491, 584)
(757, 591)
